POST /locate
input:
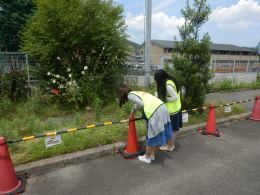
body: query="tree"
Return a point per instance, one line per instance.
(191, 62)
(81, 41)
(13, 15)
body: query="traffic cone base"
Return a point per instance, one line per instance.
(256, 110)
(19, 188)
(252, 118)
(217, 134)
(126, 155)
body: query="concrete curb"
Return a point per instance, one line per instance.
(50, 164)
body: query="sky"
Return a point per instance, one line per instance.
(230, 22)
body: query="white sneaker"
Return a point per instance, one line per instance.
(166, 148)
(144, 159)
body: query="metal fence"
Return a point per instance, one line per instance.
(19, 61)
(234, 70)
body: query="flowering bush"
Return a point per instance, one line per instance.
(68, 86)
(94, 49)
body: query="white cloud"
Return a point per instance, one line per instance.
(163, 26)
(243, 15)
(163, 4)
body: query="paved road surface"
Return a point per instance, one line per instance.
(201, 165)
(227, 97)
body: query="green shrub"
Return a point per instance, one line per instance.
(13, 85)
(258, 78)
(226, 84)
(191, 61)
(5, 106)
(94, 50)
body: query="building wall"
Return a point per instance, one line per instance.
(235, 63)
(235, 57)
(157, 53)
(160, 56)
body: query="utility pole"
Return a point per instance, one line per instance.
(148, 24)
(258, 50)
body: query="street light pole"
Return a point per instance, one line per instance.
(148, 24)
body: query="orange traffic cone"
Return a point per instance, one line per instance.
(256, 110)
(9, 183)
(211, 123)
(131, 150)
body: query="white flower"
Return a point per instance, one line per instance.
(74, 82)
(57, 76)
(68, 69)
(49, 73)
(82, 72)
(70, 83)
(103, 48)
(105, 62)
(54, 81)
(58, 58)
(70, 75)
(85, 67)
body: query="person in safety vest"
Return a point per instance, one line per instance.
(168, 91)
(158, 124)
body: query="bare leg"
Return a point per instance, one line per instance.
(148, 151)
(171, 142)
(154, 150)
(174, 139)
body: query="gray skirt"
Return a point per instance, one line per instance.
(156, 123)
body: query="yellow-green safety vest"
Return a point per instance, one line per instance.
(151, 103)
(173, 106)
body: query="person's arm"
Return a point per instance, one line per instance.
(173, 96)
(137, 102)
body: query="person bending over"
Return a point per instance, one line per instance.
(158, 124)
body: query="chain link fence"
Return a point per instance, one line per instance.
(18, 61)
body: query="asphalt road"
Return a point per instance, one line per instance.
(201, 165)
(227, 97)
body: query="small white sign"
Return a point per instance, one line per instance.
(227, 109)
(185, 117)
(52, 141)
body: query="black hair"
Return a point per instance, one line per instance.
(161, 78)
(122, 94)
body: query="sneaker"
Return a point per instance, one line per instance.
(144, 159)
(166, 148)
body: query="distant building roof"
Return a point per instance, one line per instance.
(227, 47)
(164, 43)
(133, 43)
(213, 46)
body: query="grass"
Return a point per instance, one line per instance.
(228, 85)
(41, 114)
(196, 117)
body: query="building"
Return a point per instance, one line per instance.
(224, 57)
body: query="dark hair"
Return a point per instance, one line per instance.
(161, 78)
(122, 94)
